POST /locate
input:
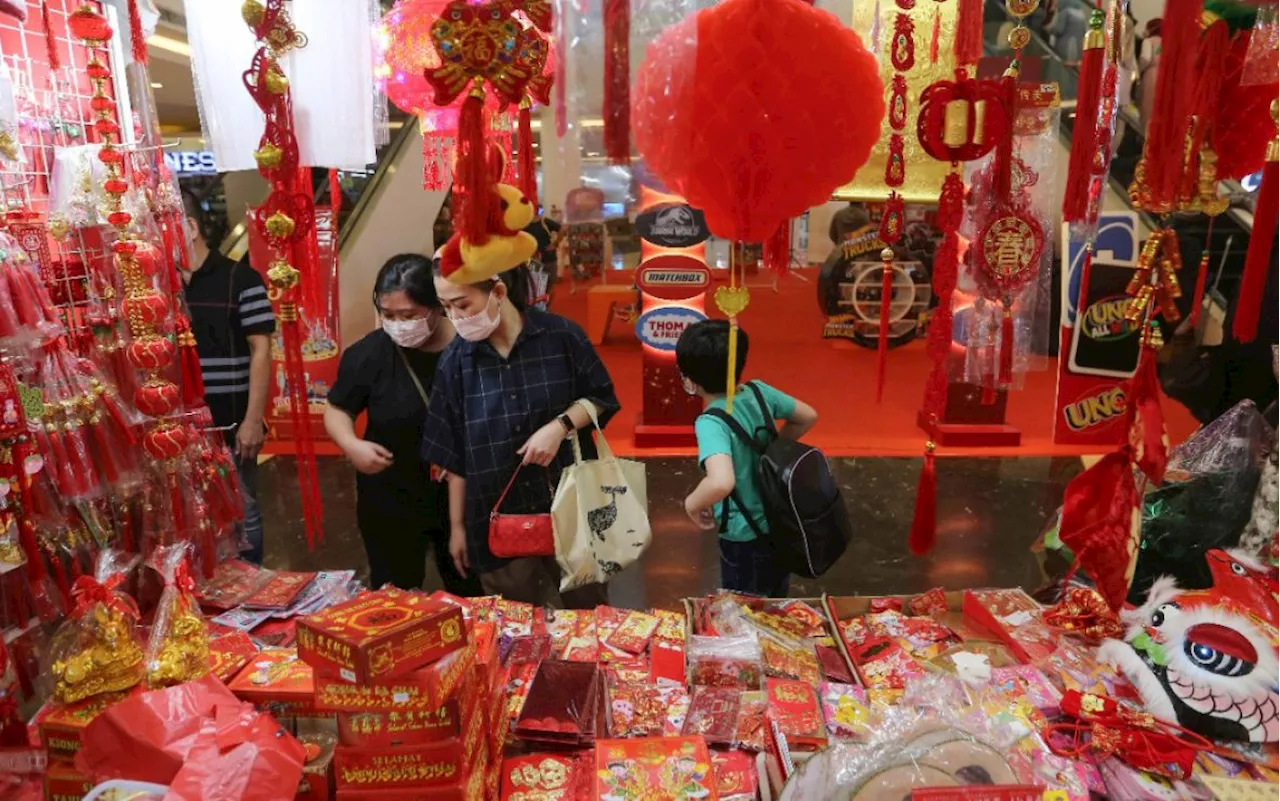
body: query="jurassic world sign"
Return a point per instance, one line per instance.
(673, 225)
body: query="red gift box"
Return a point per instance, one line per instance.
(229, 653)
(277, 676)
(62, 725)
(411, 726)
(471, 787)
(380, 635)
(440, 764)
(422, 690)
(64, 783)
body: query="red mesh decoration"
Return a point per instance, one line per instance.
(772, 78)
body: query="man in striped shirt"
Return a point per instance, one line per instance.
(232, 321)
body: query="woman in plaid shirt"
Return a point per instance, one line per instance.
(505, 395)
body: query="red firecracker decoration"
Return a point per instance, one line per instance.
(725, 138)
(1075, 202)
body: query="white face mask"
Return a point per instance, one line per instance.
(409, 333)
(479, 326)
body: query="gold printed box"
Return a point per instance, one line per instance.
(380, 635)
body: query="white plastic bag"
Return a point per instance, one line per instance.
(600, 514)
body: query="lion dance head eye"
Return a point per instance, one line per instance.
(1162, 614)
(1218, 649)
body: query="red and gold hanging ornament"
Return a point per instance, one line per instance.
(405, 53)
(146, 312)
(1084, 133)
(724, 134)
(960, 120)
(902, 55)
(483, 46)
(286, 222)
(1100, 724)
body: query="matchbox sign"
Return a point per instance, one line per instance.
(673, 277)
(661, 328)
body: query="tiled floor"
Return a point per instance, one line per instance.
(989, 513)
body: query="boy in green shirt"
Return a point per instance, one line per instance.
(747, 563)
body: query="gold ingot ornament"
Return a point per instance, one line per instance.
(280, 225)
(268, 156)
(283, 275)
(276, 81)
(252, 12)
(107, 660)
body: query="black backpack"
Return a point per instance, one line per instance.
(808, 522)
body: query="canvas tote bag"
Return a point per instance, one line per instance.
(600, 515)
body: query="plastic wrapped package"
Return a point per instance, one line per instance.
(1010, 254)
(27, 314)
(641, 709)
(98, 649)
(178, 648)
(733, 662)
(1205, 502)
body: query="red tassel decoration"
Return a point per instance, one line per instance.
(777, 249)
(617, 81)
(50, 40)
(968, 41)
(1257, 262)
(924, 524)
(1143, 393)
(886, 295)
(471, 177)
(935, 37)
(1006, 348)
(1075, 203)
(1163, 154)
(136, 38)
(177, 505)
(106, 454)
(524, 153)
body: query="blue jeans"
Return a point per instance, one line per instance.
(752, 567)
(247, 471)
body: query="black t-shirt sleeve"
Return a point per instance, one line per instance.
(357, 371)
(254, 308)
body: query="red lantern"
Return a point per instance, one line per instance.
(86, 23)
(165, 442)
(157, 398)
(148, 257)
(151, 352)
(149, 308)
(772, 79)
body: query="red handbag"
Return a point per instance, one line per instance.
(514, 536)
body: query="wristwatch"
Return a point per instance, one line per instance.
(567, 422)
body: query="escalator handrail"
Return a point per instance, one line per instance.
(390, 156)
(236, 240)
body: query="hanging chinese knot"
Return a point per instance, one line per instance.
(286, 222)
(960, 120)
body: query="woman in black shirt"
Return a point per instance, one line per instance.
(401, 511)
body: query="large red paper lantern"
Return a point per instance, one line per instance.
(780, 106)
